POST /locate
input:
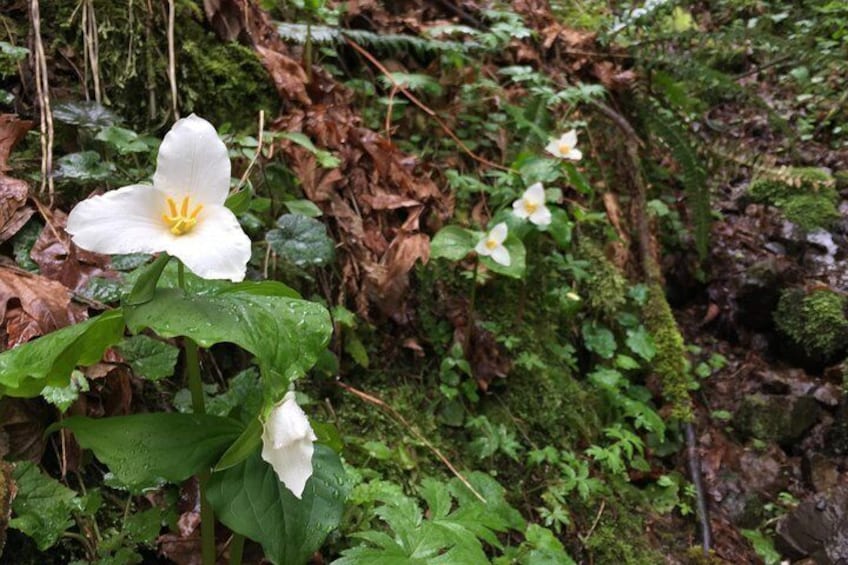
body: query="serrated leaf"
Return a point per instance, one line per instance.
(148, 357)
(63, 397)
(641, 343)
(43, 506)
(250, 500)
(302, 241)
(26, 369)
(598, 339)
(141, 449)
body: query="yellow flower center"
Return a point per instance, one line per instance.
(564, 148)
(180, 222)
(530, 206)
(491, 243)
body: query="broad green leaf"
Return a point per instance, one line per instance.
(86, 113)
(146, 281)
(102, 290)
(124, 140)
(598, 339)
(43, 506)
(242, 400)
(453, 243)
(560, 228)
(285, 334)
(142, 449)
(303, 207)
(547, 549)
(250, 500)
(84, 166)
(63, 397)
(517, 255)
(324, 157)
(577, 179)
(148, 357)
(242, 447)
(641, 343)
(26, 369)
(302, 241)
(239, 203)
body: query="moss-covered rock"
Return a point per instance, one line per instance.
(815, 322)
(605, 289)
(806, 195)
(782, 419)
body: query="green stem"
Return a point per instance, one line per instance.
(236, 549)
(195, 385)
(471, 301)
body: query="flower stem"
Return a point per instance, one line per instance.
(195, 385)
(236, 549)
(471, 300)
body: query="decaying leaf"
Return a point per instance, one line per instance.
(14, 212)
(12, 129)
(32, 305)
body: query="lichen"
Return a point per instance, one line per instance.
(669, 363)
(814, 321)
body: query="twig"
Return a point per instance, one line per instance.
(255, 155)
(396, 415)
(172, 59)
(42, 86)
(700, 499)
(426, 109)
(595, 522)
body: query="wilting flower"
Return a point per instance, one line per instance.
(565, 147)
(531, 206)
(492, 245)
(182, 214)
(287, 444)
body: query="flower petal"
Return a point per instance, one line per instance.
(287, 446)
(193, 161)
(481, 248)
(574, 155)
(569, 138)
(541, 217)
(535, 193)
(217, 247)
(500, 255)
(498, 232)
(519, 209)
(553, 148)
(127, 220)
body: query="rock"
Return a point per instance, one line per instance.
(820, 472)
(783, 419)
(817, 528)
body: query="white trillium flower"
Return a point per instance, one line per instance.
(492, 245)
(182, 214)
(565, 147)
(287, 444)
(531, 206)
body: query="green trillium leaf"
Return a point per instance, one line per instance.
(302, 241)
(452, 243)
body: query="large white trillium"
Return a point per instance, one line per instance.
(565, 147)
(182, 214)
(287, 441)
(531, 206)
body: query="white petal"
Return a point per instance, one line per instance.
(217, 247)
(481, 247)
(553, 148)
(498, 233)
(519, 208)
(287, 441)
(574, 155)
(542, 216)
(193, 161)
(127, 220)
(569, 138)
(500, 255)
(535, 193)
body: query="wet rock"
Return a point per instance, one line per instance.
(759, 292)
(782, 419)
(820, 472)
(817, 528)
(836, 438)
(744, 509)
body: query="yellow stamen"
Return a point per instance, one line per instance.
(491, 243)
(564, 148)
(530, 206)
(181, 223)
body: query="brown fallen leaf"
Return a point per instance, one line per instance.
(24, 420)
(14, 212)
(12, 129)
(32, 305)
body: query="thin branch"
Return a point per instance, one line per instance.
(172, 59)
(42, 86)
(407, 426)
(255, 155)
(426, 109)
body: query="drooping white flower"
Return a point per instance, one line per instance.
(565, 147)
(182, 213)
(492, 245)
(531, 206)
(287, 444)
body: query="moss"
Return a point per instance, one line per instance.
(814, 321)
(669, 363)
(605, 289)
(620, 538)
(806, 195)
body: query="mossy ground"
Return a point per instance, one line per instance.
(814, 321)
(806, 196)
